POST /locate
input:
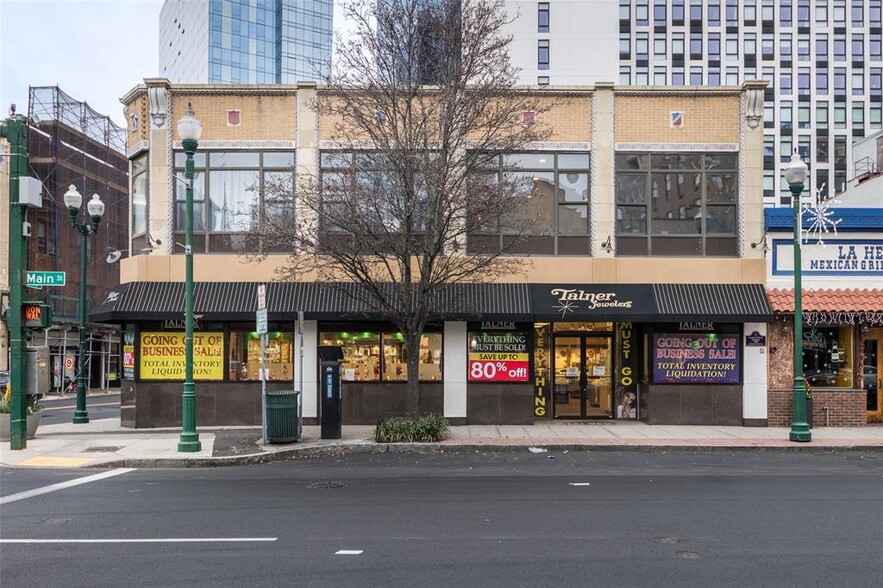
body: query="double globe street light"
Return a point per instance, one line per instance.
(73, 200)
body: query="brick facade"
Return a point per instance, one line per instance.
(838, 408)
(646, 119)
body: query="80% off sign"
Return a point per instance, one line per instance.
(498, 371)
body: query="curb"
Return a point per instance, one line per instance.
(368, 448)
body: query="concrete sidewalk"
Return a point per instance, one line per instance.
(104, 443)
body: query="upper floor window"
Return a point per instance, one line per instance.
(139, 195)
(785, 13)
(677, 12)
(543, 17)
(642, 13)
(659, 13)
(677, 204)
(543, 54)
(714, 13)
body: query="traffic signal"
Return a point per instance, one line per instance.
(36, 314)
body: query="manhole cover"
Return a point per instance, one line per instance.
(55, 521)
(689, 555)
(102, 449)
(327, 485)
(667, 540)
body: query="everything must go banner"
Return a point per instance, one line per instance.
(162, 356)
(707, 358)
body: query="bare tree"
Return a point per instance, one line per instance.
(420, 106)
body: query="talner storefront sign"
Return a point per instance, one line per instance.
(577, 299)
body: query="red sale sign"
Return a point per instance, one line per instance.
(498, 371)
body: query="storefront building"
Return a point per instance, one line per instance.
(842, 318)
(641, 299)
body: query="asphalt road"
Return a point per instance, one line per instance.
(508, 519)
(61, 410)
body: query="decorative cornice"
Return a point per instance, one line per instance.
(240, 144)
(688, 91)
(137, 148)
(330, 145)
(677, 147)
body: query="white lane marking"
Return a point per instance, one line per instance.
(168, 540)
(349, 552)
(63, 485)
(70, 407)
(580, 484)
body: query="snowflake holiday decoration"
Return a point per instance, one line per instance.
(820, 218)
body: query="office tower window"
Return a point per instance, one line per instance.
(839, 48)
(677, 45)
(803, 82)
(769, 145)
(840, 13)
(858, 114)
(714, 46)
(821, 47)
(785, 83)
(696, 45)
(642, 13)
(625, 75)
(785, 13)
(769, 183)
(874, 47)
(625, 46)
(543, 55)
(803, 147)
(768, 46)
(839, 81)
(768, 11)
(839, 181)
(659, 46)
(543, 17)
(750, 72)
(732, 50)
(750, 44)
(822, 81)
(676, 204)
(821, 13)
(642, 77)
(874, 13)
(858, 82)
(542, 80)
(785, 48)
(732, 13)
(785, 116)
(822, 149)
(749, 11)
(659, 76)
(733, 77)
(642, 46)
(659, 13)
(677, 76)
(803, 48)
(714, 13)
(822, 116)
(821, 186)
(876, 116)
(769, 75)
(696, 76)
(858, 16)
(876, 82)
(714, 76)
(696, 11)
(769, 116)
(839, 116)
(803, 116)
(677, 12)
(625, 10)
(858, 47)
(803, 13)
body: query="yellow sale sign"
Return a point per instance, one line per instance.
(162, 356)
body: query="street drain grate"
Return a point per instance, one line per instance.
(689, 555)
(327, 485)
(102, 449)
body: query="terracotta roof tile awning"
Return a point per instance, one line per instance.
(828, 300)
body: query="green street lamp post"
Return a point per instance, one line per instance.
(795, 175)
(73, 200)
(15, 130)
(189, 129)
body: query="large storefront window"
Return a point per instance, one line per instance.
(677, 204)
(828, 358)
(380, 355)
(233, 193)
(245, 356)
(713, 357)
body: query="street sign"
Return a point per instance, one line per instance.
(36, 279)
(262, 296)
(261, 318)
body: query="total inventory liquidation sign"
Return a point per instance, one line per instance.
(498, 357)
(707, 358)
(162, 356)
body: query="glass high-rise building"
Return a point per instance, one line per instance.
(245, 41)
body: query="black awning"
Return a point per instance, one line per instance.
(237, 301)
(738, 303)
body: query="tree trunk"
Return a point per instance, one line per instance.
(412, 395)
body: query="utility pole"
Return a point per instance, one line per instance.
(15, 129)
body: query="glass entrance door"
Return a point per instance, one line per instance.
(583, 370)
(871, 361)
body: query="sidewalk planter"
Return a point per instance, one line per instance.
(6, 425)
(283, 416)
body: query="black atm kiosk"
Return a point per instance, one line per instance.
(329, 387)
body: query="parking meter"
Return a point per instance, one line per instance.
(329, 388)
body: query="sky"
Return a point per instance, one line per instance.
(94, 50)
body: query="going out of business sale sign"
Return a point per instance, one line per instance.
(498, 357)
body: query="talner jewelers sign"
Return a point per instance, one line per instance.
(836, 257)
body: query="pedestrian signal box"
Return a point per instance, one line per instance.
(36, 314)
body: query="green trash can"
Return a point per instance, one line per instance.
(284, 423)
